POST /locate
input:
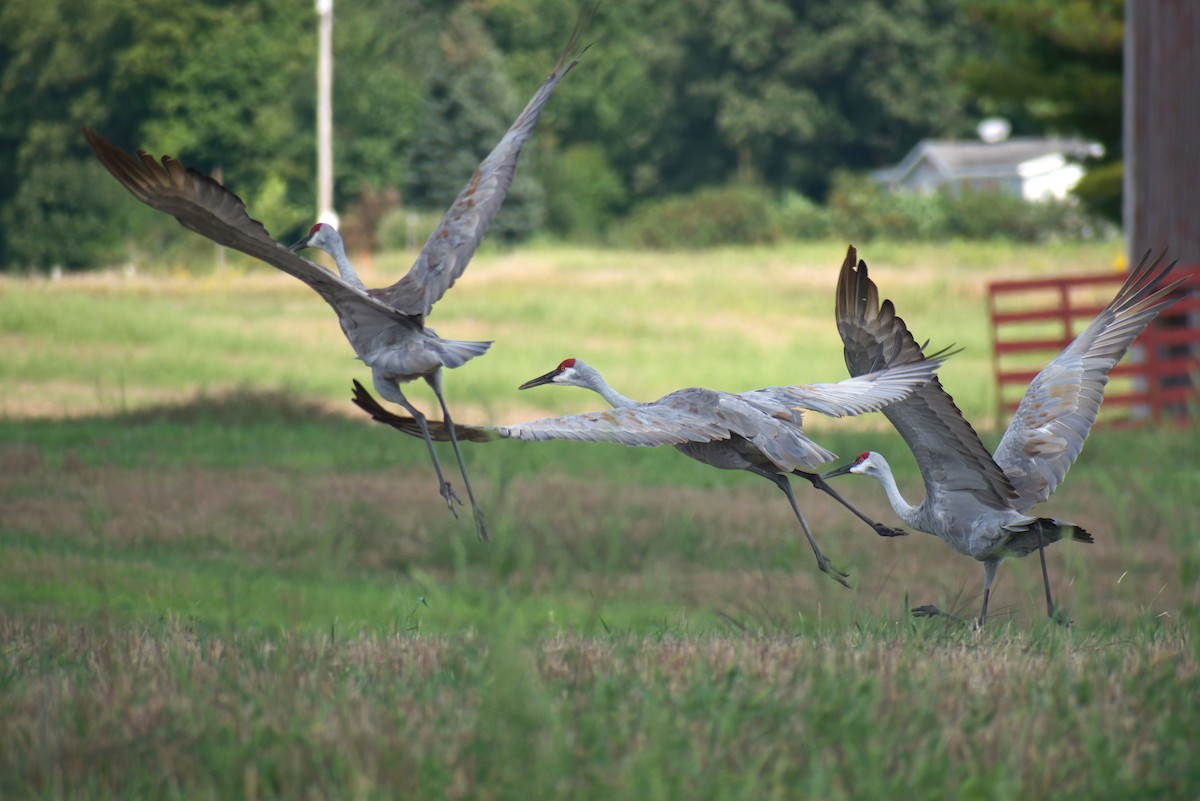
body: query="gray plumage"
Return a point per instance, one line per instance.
(386, 326)
(976, 501)
(757, 431)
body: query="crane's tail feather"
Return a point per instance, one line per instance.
(457, 352)
(1079, 533)
(438, 430)
(1025, 539)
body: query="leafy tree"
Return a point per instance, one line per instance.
(379, 47)
(1058, 66)
(235, 100)
(209, 82)
(469, 105)
(796, 88)
(54, 76)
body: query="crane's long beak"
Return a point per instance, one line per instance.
(841, 471)
(541, 379)
(301, 245)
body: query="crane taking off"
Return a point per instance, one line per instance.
(976, 501)
(385, 326)
(757, 431)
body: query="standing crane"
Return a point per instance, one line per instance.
(385, 326)
(979, 502)
(757, 431)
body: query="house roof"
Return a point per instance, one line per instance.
(962, 158)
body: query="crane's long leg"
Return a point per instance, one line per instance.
(390, 390)
(435, 382)
(823, 486)
(989, 575)
(1050, 608)
(822, 561)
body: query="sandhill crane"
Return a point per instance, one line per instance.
(757, 431)
(385, 326)
(976, 501)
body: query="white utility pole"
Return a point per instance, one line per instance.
(325, 212)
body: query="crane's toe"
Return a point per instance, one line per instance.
(839, 576)
(451, 497)
(1061, 616)
(481, 525)
(888, 531)
(928, 610)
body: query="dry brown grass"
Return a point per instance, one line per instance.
(113, 708)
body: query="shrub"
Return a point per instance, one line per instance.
(582, 192)
(862, 210)
(802, 218)
(405, 228)
(737, 214)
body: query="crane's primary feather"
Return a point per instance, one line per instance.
(1058, 409)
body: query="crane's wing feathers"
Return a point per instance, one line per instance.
(947, 449)
(458, 234)
(869, 392)
(682, 417)
(1056, 413)
(202, 205)
(687, 415)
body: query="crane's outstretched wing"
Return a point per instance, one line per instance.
(202, 205)
(1054, 417)
(682, 417)
(948, 451)
(869, 392)
(457, 237)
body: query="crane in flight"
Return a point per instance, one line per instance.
(978, 502)
(385, 326)
(757, 431)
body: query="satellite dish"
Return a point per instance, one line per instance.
(993, 130)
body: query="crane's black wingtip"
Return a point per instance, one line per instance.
(366, 401)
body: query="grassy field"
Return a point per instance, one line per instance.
(219, 580)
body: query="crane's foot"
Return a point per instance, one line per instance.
(481, 525)
(451, 498)
(1060, 616)
(888, 531)
(828, 569)
(929, 610)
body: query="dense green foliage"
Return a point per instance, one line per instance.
(673, 98)
(857, 208)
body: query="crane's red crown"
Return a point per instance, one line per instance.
(862, 457)
(565, 364)
(312, 231)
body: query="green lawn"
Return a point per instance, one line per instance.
(219, 580)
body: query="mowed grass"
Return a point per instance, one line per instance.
(219, 580)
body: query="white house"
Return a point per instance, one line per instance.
(1036, 168)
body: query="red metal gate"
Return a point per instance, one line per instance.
(1034, 319)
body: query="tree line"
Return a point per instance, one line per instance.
(673, 97)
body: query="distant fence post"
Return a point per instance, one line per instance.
(1162, 153)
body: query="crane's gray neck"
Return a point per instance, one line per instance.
(903, 509)
(591, 378)
(338, 250)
